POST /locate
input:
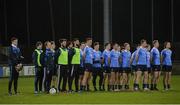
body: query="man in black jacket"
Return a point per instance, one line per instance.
(37, 60)
(15, 59)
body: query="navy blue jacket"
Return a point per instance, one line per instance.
(35, 57)
(15, 56)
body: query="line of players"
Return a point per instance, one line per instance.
(78, 62)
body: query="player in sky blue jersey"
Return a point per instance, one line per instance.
(115, 64)
(97, 66)
(141, 63)
(88, 61)
(126, 56)
(155, 60)
(133, 61)
(166, 54)
(106, 66)
(148, 66)
(81, 73)
(118, 83)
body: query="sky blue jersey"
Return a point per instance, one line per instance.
(148, 59)
(126, 56)
(114, 56)
(97, 56)
(133, 57)
(155, 54)
(142, 55)
(106, 56)
(88, 51)
(166, 54)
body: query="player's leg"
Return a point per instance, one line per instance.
(120, 80)
(81, 75)
(154, 80)
(88, 80)
(41, 79)
(109, 81)
(36, 80)
(11, 78)
(16, 76)
(116, 80)
(76, 74)
(124, 79)
(100, 73)
(47, 80)
(71, 77)
(137, 79)
(165, 77)
(60, 75)
(104, 80)
(64, 77)
(127, 79)
(94, 75)
(145, 80)
(112, 80)
(149, 77)
(44, 79)
(85, 78)
(169, 80)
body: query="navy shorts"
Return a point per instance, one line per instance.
(156, 67)
(149, 69)
(141, 68)
(54, 72)
(134, 67)
(107, 70)
(167, 68)
(81, 71)
(120, 70)
(97, 69)
(114, 69)
(126, 70)
(88, 67)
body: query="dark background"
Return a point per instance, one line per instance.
(33, 20)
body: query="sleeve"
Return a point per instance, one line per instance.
(122, 56)
(132, 56)
(101, 55)
(162, 53)
(151, 53)
(12, 56)
(34, 57)
(111, 53)
(70, 55)
(57, 54)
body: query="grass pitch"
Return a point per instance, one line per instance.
(27, 96)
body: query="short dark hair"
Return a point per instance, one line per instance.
(114, 44)
(148, 45)
(155, 41)
(165, 44)
(125, 44)
(52, 42)
(75, 39)
(61, 40)
(87, 39)
(38, 43)
(142, 41)
(106, 44)
(13, 38)
(69, 43)
(45, 43)
(83, 43)
(96, 43)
